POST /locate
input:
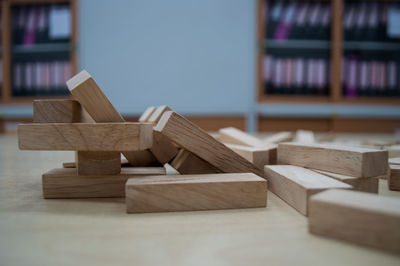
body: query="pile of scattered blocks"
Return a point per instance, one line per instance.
(230, 170)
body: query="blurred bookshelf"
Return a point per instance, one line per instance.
(38, 40)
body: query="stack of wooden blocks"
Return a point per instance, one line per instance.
(228, 171)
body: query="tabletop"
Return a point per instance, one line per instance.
(35, 231)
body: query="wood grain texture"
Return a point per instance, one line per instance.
(85, 136)
(233, 135)
(66, 183)
(59, 111)
(258, 156)
(192, 138)
(364, 184)
(279, 137)
(394, 177)
(147, 113)
(98, 163)
(341, 159)
(195, 192)
(295, 184)
(186, 163)
(357, 217)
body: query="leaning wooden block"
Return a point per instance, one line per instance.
(147, 113)
(357, 217)
(98, 163)
(66, 183)
(394, 177)
(346, 160)
(85, 136)
(188, 163)
(236, 136)
(258, 156)
(59, 111)
(279, 137)
(195, 192)
(295, 184)
(192, 138)
(158, 112)
(364, 184)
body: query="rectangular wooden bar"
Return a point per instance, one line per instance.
(283, 136)
(187, 163)
(346, 160)
(195, 192)
(304, 136)
(357, 217)
(59, 111)
(85, 136)
(364, 184)
(147, 113)
(236, 136)
(98, 163)
(192, 138)
(66, 183)
(258, 156)
(394, 177)
(295, 184)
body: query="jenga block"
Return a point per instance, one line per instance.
(394, 177)
(59, 111)
(66, 183)
(295, 184)
(258, 156)
(346, 160)
(124, 163)
(304, 136)
(188, 163)
(85, 136)
(233, 135)
(357, 217)
(364, 184)
(85, 90)
(394, 151)
(394, 160)
(147, 113)
(195, 192)
(194, 139)
(98, 163)
(279, 137)
(156, 115)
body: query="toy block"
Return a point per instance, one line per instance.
(85, 136)
(258, 156)
(295, 184)
(346, 160)
(156, 115)
(188, 163)
(59, 111)
(236, 136)
(394, 160)
(192, 138)
(69, 165)
(124, 163)
(364, 184)
(147, 113)
(66, 183)
(304, 136)
(394, 151)
(98, 163)
(357, 217)
(279, 137)
(195, 192)
(394, 177)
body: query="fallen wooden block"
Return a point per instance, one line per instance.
(69, 165)
(195, 192)
(346, 160)
(192, 138)
(278, 137)
(98, 163)
(364, 184)
(147, 113)
(59, 111)
(66, 183)
(295, 184)
(236, 136)
(395, 160)
(304, 136)
(85, 136)
(357, 217)
(158, 112)
(258, 156)
(394, 177)
(124, 163)
(188, 163)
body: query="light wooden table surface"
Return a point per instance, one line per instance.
(34, 231)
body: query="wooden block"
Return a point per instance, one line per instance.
(346, 160)
(357, 217)
(147, 113)
(279, 137)
(192, 138)
(85, 136)
(295, 184)
(188, 163)
(233, 135)
(364, 184)
(394, 160)
(394, 177)
(195, 192)
(59, 111)
(98, 163)
(394, 151)
(156, 115)
(258, 156)
(66, 183)
(124, 163)
(304, 136)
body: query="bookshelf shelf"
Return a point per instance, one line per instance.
(367, 45)
(298, 44)
(43, 48)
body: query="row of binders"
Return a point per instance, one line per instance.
(40, 78)
(296, 75)
(34, 24)
(298, 20)
(370, 78)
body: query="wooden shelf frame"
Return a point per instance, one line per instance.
(7, 47)
(337, 46)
